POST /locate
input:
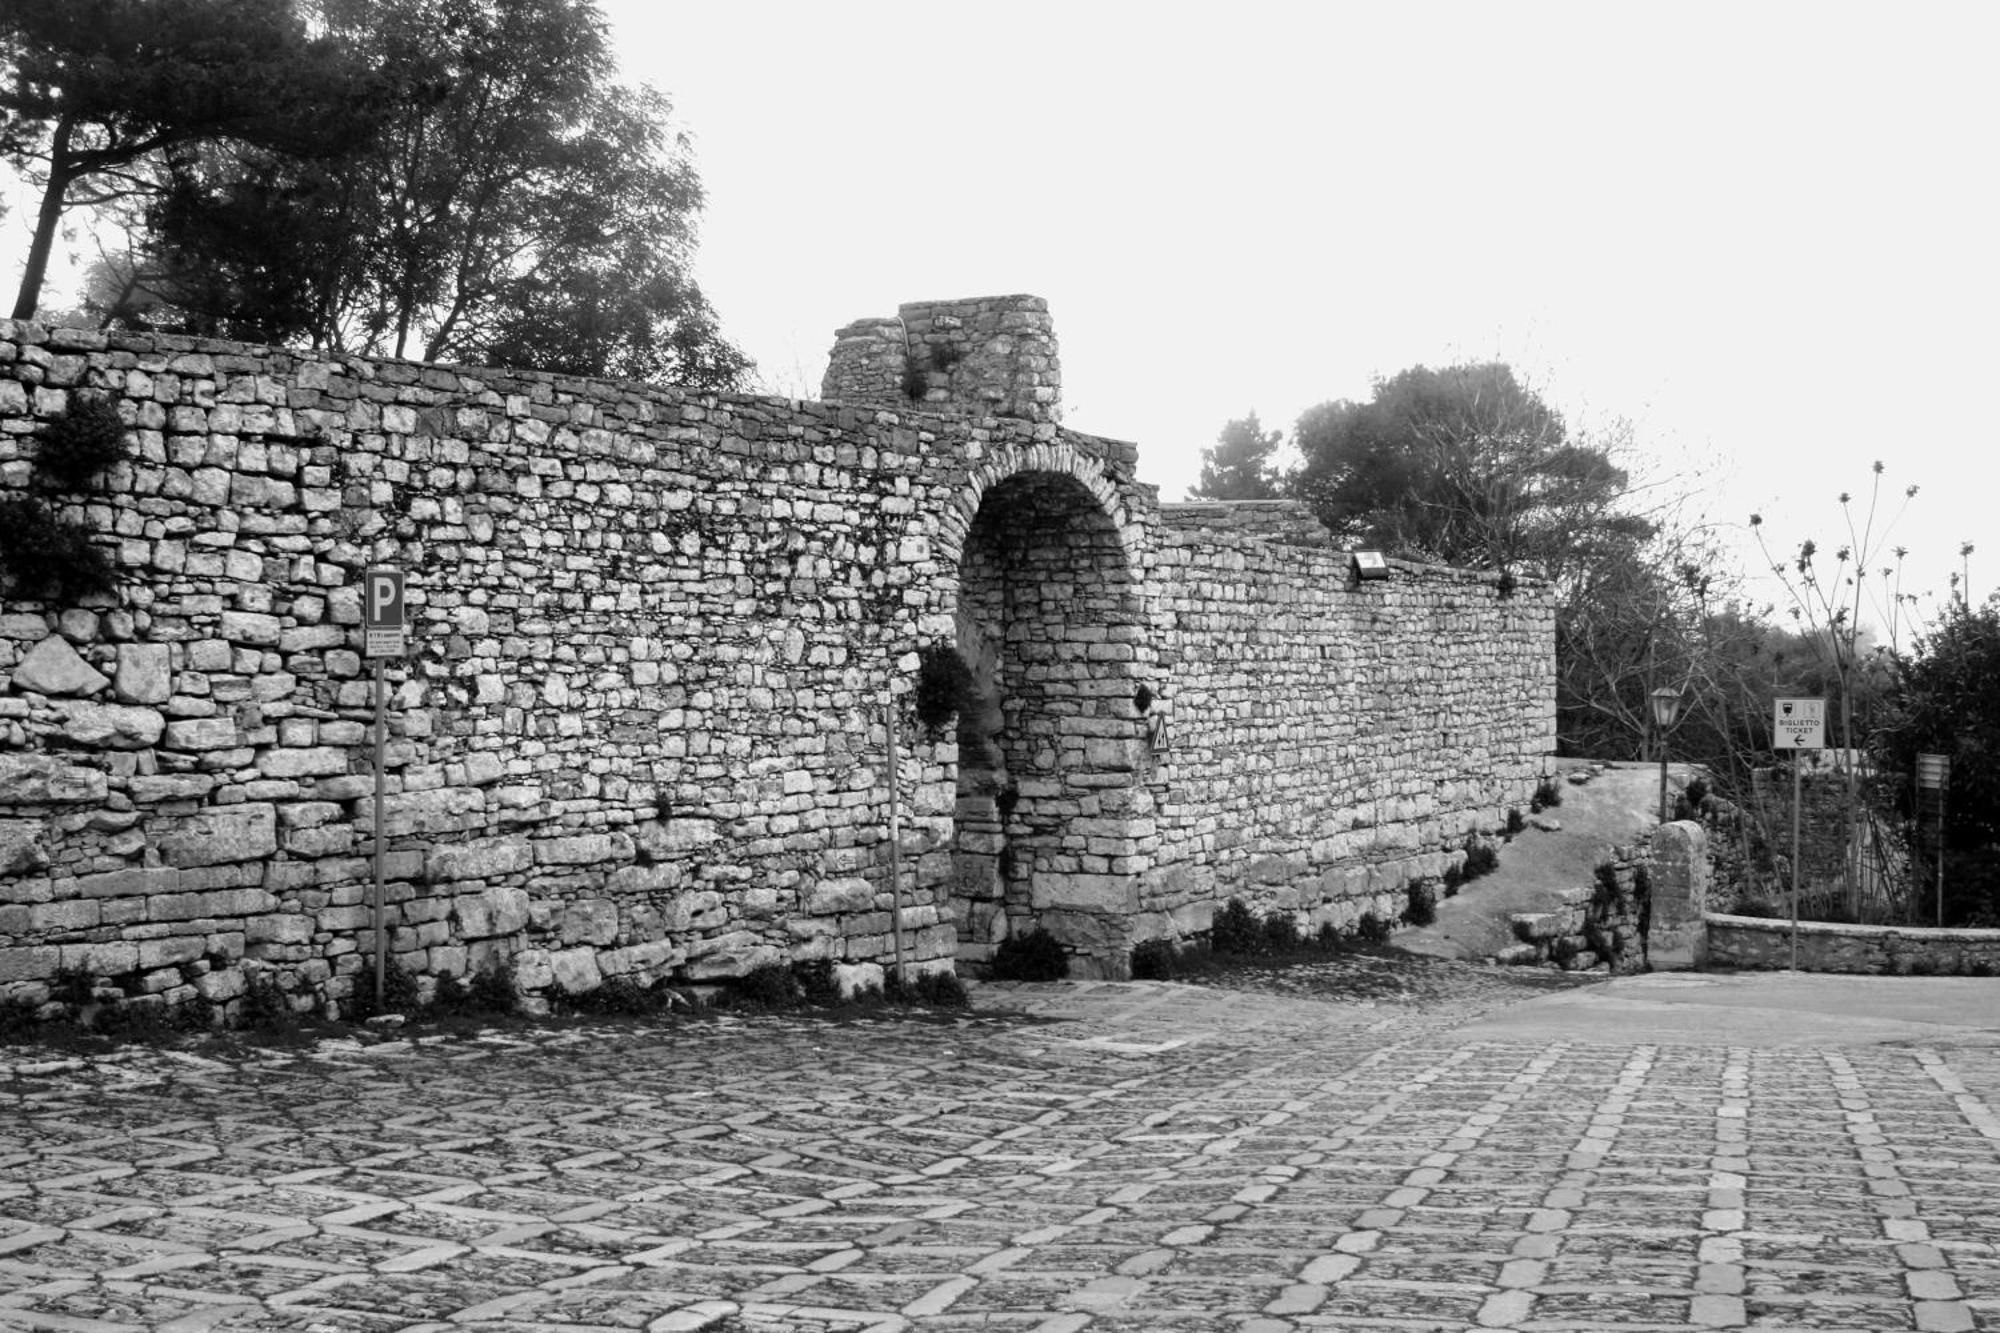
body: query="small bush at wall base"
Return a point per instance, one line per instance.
(266, 1008)
(1034, 956)
(399, 992)
(1373, 929)
(816, 981)
(1422, 908)
(1480, 859)
(1280, 933)
(1516, 823)
(1235, 930)
(85, 440)
(769, 986)
(1156, 960)
(942, 990)
(44, 556)
(1548, 794)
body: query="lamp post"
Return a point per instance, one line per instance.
(1666, 708)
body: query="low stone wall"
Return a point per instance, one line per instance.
(1824, 946)
(1643, 911)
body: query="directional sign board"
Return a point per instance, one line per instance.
(1799, 724)
(382, 619)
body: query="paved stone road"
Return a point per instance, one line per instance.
(1162, 1158)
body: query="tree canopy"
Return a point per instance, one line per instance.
(510, 203)
(1242, 464)
(96, 95)
(1463, 465)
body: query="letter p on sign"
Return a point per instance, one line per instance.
(382, 619)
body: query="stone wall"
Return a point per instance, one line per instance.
(640, 730)
(1761, 942)
(1330, 739)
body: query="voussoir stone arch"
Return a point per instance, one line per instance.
(1060, 458)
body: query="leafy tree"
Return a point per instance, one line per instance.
(518, 207)
(1947, 701)
(1463, 465)
(1242, 464)
(96, 95)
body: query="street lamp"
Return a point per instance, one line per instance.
(1666, 708)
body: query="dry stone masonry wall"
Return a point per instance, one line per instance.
(640, 730)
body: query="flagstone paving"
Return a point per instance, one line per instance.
(1121, 1156)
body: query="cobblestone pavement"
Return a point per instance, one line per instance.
(1136, 1156)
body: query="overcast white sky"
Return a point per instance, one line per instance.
(1767, 234)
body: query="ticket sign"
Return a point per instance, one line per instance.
(383, 623)
(1799, 724)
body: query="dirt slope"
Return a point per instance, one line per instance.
(1616, 806)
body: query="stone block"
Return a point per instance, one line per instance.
(112, 726)
(733, 954)
(852, 978)
(53, 667)
(21, 849)
(575, 970)
(40, 779)
(143, 676)
(313, 761)
(28, 963)
(153, 790)
(251, 628)
(1115, 894)
(832, 896)
(171, 951)
(221, 835)
(66, 915)
(583, 849)
(138, 881)
(217, 903)
(476, 860)
(592, 921)
(197, 734)
(496, 911)
(276, 928)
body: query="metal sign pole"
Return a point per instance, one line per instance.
(895, 840)
(1798, 787)
(381, 831)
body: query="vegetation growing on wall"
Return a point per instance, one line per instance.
(44, 554)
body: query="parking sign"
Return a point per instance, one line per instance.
(382, 614)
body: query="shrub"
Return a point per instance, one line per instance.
(1422, 908)
(1373, 929)
(492, 990)
(85, 440)
(942, 990)
(1235, 930)
(816, 981)
(769, 986)
(1280, 933)
(1516, 822)
(1033, 956)
(620, 996)
(49, 557)
(1549, 791)
(1454, 878)
(1480, 859)
(399, 992)
(266, 1008)
(944, 686)
(1328, 937)
(1156, 960)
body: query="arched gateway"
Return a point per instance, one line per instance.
(1053, 822)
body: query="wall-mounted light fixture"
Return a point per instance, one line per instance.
(1370, 565)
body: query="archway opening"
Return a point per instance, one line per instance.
(1051, 802)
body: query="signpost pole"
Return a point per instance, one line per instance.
(381, 829)
(895, 840)
(1798, 788)
(1797, 724)
(383, 627)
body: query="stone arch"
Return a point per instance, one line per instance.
(1053, 824)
